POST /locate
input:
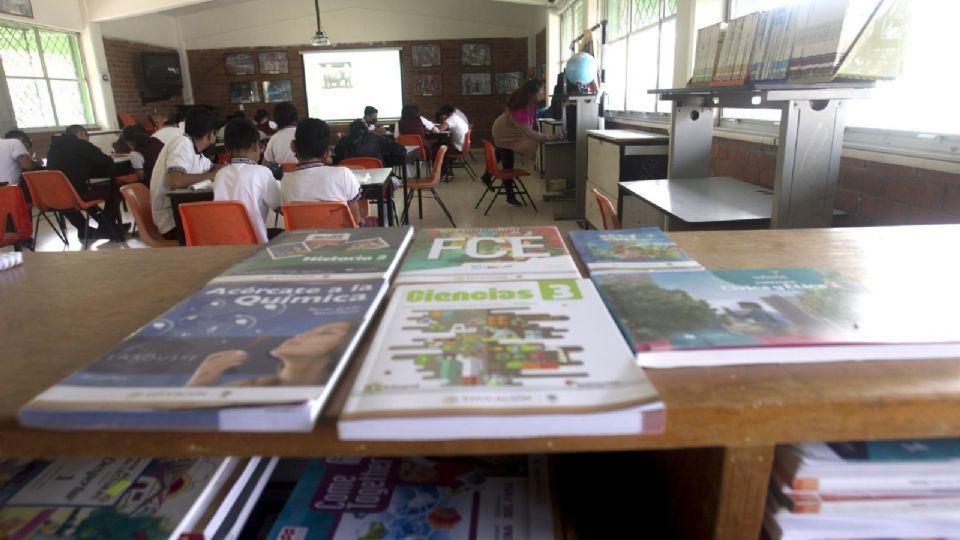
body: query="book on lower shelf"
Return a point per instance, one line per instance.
(487, 254)
(325, 254)
(865, 489)
(498, 360)
(254, 356)
(424, 498)
(786, 315)
(148, 499)
(648, 248)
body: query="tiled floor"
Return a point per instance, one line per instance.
(460, 195)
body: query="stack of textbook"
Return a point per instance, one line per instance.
(259, 348)
(876, 489)
(493, 334)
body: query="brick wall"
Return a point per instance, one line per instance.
(211, 85)
(126, 79)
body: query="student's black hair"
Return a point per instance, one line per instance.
(285, 114)
(368, 110)
(410, 112)
(135, 136)
(240, 134)
(312, 138)
(357, 131)
(74, 130)
(260, 115)
(445, 110)
(19, 134)
(200, 122)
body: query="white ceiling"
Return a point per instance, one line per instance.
(205, 5)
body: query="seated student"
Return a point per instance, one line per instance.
(278, 148)
(171, 130)
(313, 180)
(245, 181)
(144, 151)
(80, 160)
(358, 142)
(462, 116)
(370, 117)
(237, 115)
(265, 125)
(411, 123)
(15, 158)
(181, 164)
(449, 121)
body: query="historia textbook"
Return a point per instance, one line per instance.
(498, 360)
(470, 498)
(629, 249)
(487, 254)
(325, 254)
(255, 356)
(69, 499)
(701, 318)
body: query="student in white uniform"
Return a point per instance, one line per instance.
(168, 133)
(15, 158)
(278, 148)
(245, 181)
(449, 121)
(181, 164)
(314, 180)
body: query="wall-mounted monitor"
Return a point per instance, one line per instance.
(161, 71)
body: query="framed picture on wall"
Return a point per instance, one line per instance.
(277, 91)
(425, 55)
(475, 54)
(239, 64)
(273, 62)
(509, 81)
(244, 92)
(427, 85)
(476, 84)
(22, 8)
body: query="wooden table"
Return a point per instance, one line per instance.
(722, 423)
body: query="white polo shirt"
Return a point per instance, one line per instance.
(168, 133)
(251, 184)
(178, 155)
(318, 182)
(458, 131)
(428, 125)
(10, 150)
(278, 148)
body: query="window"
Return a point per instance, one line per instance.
(572, 24)
(641, 36)
(45, 77)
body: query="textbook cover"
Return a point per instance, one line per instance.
(487, 254)
(325, 254)
(147, 499)
(256, 356)
(511, 359)
(701, 318)
(415, 498)
(648, 248)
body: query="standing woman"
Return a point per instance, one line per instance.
(515, 131)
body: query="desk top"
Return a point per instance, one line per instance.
(628, 136)
(724, 406)
(706, 200)
(370, 177)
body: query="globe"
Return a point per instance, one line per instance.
(581, 69)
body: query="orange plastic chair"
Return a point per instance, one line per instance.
(126, 119)
(137, 197)
(216, 223)
(461, 156)
(289, 166)
(419, 185)
(318, 215)
(15, 219)
(496, 172)
(361, 163)
(52, 192)
(608, 213)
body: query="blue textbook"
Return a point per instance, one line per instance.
(630, 249)
(255, 356)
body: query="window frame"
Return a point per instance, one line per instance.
(80, 68)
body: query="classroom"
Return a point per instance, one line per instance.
(202, 145)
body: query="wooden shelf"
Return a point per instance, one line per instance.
(62, 310)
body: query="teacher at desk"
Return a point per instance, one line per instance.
(515, 131)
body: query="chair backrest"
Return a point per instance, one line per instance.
(216, 223)
(413, 140)
(466, 142)
(361, 163)
(126, 119)
(137, 196)
(490, 158)
(289, 166)
(318, 215)
(607, 211)
(437, 169)
(128, 179)
(50, 190)
(14, 216)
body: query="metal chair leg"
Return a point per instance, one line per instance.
(443, 206)
(500, 190)
(523, 191)
(86, 231)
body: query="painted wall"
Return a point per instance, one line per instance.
(158, 30)
(292, 22)
(104, 10)
(61, 14)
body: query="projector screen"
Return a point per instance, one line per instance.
(341, 83)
